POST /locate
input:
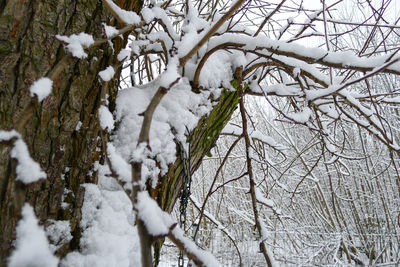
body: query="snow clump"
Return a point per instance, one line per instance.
(31, 246)
(41, 88)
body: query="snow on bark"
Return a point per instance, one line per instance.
(107, 74)
(170, 74)
(41, 88)
(59, 232)
(31, 246)
(8, 135)
(76, 43)
(110, 31)
(123, 54)
(27, 170)
(207, 259)
(129, 17)
(217, 71)
(106, 118)
(122, 168)
(157, 221)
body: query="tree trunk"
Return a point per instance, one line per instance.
(29, 51)
(203, 137)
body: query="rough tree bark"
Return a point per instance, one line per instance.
(29, 51)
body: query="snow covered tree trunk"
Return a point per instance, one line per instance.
(203, 139)
(62, 131)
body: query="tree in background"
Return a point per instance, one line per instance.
(191, 65)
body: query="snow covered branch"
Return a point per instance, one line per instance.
(214, 28)
(198, 256)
